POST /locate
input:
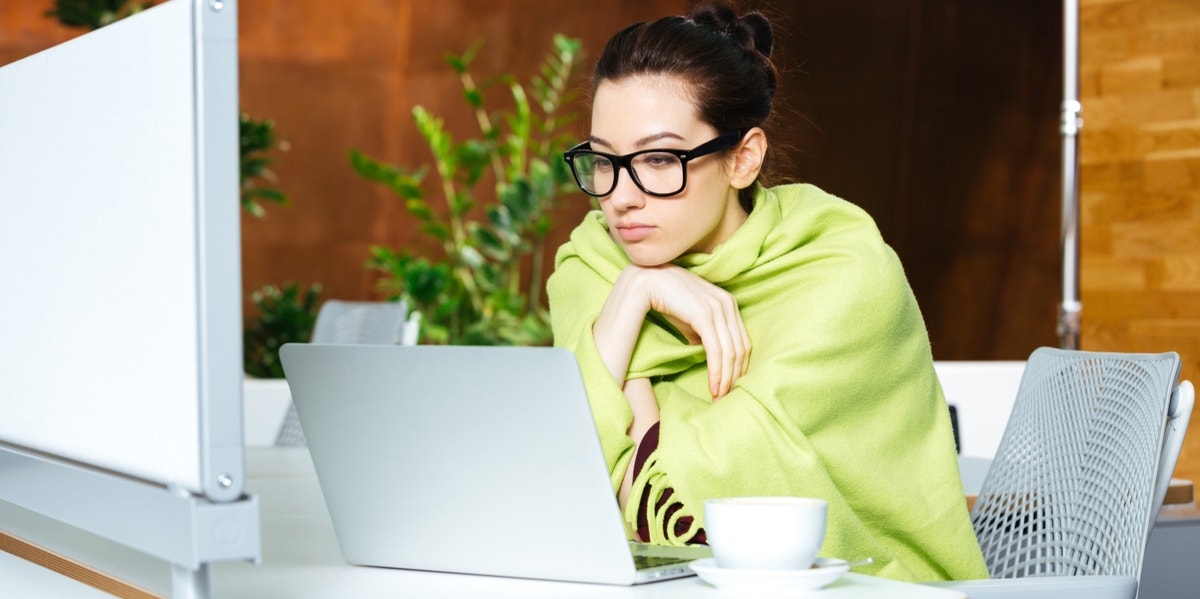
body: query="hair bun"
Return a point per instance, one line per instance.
(760, 31)
(751, 31)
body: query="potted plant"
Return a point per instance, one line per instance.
(477, 278)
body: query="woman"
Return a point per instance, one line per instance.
(737, 340)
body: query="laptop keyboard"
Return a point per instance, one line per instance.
(642, 562)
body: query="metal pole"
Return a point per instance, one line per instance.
(187, 583)
(1069, 311)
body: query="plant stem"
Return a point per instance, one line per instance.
(458, 239)
(535, 275)
(485, 125)
(550, 124)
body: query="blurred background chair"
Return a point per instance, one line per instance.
(1069, 501)
(343, 322)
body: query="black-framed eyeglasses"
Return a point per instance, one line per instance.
(658, 172)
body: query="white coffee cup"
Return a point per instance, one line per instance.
(765, 533)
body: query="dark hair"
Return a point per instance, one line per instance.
(723, 57)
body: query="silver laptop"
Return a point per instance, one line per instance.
(479, 460)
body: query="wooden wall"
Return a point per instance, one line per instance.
(1140, 183)
(940, 118)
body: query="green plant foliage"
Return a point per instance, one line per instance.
(256, 138)
(476, 292)
(285, 316)
(93, 14)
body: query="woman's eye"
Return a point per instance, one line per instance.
(660, 160)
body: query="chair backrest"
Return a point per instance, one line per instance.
(345, 322)
(360, 322)
(1073, 487)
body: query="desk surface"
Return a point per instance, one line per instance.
(301, 557)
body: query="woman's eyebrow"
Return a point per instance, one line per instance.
(597, 141)
(645, 141)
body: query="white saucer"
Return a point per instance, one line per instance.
(772, 582)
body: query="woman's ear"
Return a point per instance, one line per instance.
(748, 158)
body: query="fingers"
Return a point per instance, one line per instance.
(707, 312)
(733, 336)
(726, 342)
(729, 340)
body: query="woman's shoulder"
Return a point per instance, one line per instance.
(812, 219)
(808, 201)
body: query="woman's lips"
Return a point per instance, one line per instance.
(634, 232)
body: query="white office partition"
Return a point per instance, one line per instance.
(983, 392)
(120, 316)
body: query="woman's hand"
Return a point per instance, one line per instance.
(703, 312)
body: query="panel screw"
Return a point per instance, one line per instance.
(216, 5)
(225, 481)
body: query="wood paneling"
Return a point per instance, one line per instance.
(940, 118)
(1140, 183)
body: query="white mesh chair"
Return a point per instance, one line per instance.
(1070, 499)
(344, 322)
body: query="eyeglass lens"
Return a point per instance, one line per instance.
(655, 172)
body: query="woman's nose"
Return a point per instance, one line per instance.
(626, 194)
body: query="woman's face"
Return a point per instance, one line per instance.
(652, 112)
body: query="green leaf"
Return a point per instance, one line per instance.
(541, 178)
(460, 64)
(521, 200)
(457, 63)
(419, 208)
(252, 167)
(473, 157)
(266, 193)
(499, 217)
(407, 185)
(471, 257)
(93, 14)
(436, 230)
(424, 281)
(383, 259)
(517, 198)
(255, 137)
(490, 243)
(520, 120)
(440, 142)
(474, 97)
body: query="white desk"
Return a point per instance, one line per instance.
(301, 558)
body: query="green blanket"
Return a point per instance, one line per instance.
(840, 400)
